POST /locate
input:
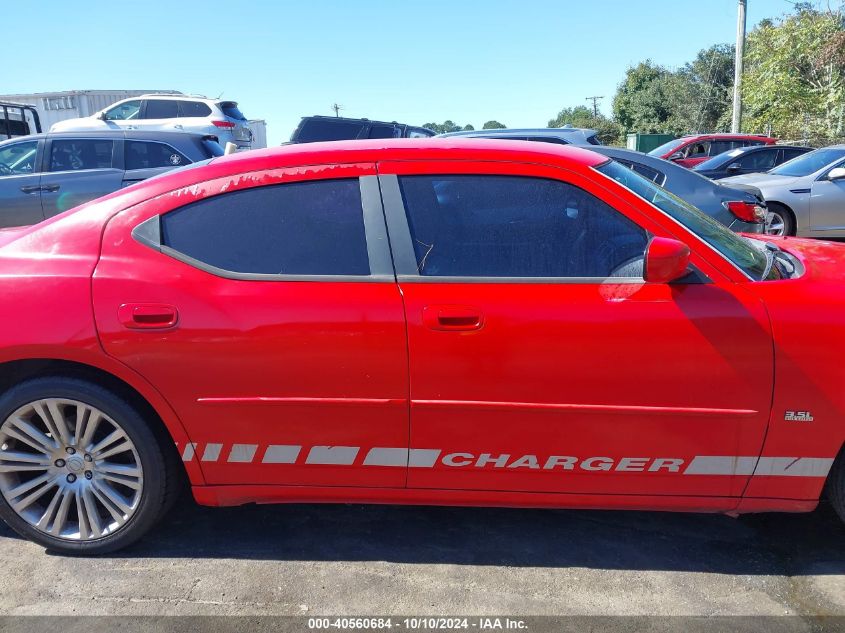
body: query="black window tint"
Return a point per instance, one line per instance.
(645, 171)
(758, 160)
(547, 139)
(147, 155)
(230, 109)
(383, 131)
(193, 108)
(717, 147)
(510, 226)
(80, 154)
(314, 130)
(308, 228)
(161, 109)
(789, 154)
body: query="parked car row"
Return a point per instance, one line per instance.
(44, 174)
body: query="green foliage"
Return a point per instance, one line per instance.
(694, 98)
(794, 78)
(609, 132)
(447, 126)
(493, 125)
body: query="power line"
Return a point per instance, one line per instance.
(595, 101)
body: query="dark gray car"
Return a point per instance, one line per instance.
(44, 174)
(721, 202)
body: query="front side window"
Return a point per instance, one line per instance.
(304, 228)
(124, 112)
(697, 150)
(81, 154)
(161, 109)
(18, 158)
(514, 226)
(761, 160)
(149, 155)
(738, 250)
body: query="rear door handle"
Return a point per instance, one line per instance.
(31, 189)
(148, 316)
(449, 318)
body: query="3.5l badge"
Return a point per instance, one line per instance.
(798, 416)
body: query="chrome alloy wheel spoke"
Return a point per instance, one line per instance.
(69, 470)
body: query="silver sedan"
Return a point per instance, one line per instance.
(805, 196)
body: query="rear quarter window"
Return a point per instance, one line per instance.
(304, 228)
(315, 130)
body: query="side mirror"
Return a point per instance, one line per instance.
(734, 167)
(836, 174)
(102, 116)
(675, 156)
(665, 260)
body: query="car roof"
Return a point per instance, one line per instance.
(326, 117)
(726, 135)
(535, 131)
(151, 135)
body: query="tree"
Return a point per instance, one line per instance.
(609, 132)
(641, 103)
(794, 79)
(447, 126)
(493, 125)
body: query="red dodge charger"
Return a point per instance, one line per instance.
(422, 322)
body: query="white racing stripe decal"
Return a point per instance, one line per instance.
(721, 465)
(391, 457)
(333, 455)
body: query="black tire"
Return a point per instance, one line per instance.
(161, 480)
(836, 485)
(786, 214)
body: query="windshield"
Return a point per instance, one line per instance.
(810, 163)
(718, 161)
(752, 259)
(666, 147)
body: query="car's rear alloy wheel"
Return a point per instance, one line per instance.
(775, 224)
(68, 469)
(80, 470)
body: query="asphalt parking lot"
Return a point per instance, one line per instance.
(368, 560)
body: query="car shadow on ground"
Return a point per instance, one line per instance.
(791, 544)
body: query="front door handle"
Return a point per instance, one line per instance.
(449, 318)
(148, 316)
(50, 188)
(31, 189)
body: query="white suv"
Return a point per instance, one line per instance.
(169, 112)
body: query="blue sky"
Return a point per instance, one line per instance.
(413, 61)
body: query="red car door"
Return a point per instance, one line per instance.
(539, 358)
(264, 308)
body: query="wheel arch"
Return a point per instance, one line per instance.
(122, 381)
(788, 209)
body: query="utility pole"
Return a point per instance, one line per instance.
(736, 123)
(595, 101)
(337, 108)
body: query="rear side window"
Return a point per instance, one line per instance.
(513, 226)
(148, 155)
(161, 109)
(313, 130)
(384, 131)
(80, 154)
(644, 170)
(230, 109)
(193, 109)
(307, 228)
